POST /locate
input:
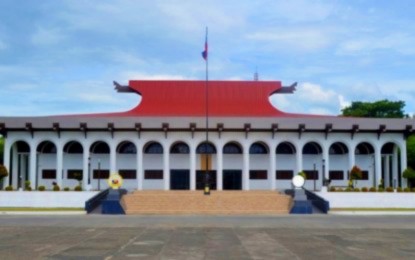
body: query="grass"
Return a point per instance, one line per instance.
(373, 209)
(39, 209)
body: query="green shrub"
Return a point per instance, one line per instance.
(356, 189)
(406, 189)
(333, 189)
(413, 189)
(372, 189)
(365, 189)
(66, 189)
(56, 188)
(9, 188)
(340, 190)
(348, 189)
(399, 189)
(41, 188)
(389, 189)
(3, 171)
(28, 188)
(381, 189)
(78, 188)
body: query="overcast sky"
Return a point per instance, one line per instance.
(59, 57)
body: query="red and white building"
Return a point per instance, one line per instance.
(161, 143)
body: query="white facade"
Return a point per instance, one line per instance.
(386, 165)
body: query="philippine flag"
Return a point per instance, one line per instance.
(205, 52)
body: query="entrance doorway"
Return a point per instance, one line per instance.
(201, 177)
(179, 179)
(232, 179)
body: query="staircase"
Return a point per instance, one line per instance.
(217, 203)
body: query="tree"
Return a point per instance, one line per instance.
(379, 109)
(410, 149)
(409, 174)
(1, 148)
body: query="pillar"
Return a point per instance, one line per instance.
(15, 163)
(140, 173)
(395, 167)
(352, 161)
(59, 165)
(85, 171)
(299, 157)
(32, 167)
(192, 167)
(325, 174)
(166, 169)
(272, 169)
(378, 166)
(219, 170)
(404, 164)
(6, 162)
(113, 158)
(245, 172)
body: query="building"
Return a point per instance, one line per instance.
(161, 143)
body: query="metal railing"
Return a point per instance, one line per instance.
(94, 202)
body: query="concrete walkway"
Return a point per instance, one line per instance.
(207, 237)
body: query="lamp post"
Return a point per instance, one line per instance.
(99, 174)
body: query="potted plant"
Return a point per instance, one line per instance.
(355, 174)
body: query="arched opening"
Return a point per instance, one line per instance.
(390, 165)
(153, 165)
(179, 166)
(313, 165)
(206, 166)
(232, 166)
(126, 158)
(98, 164)
(46, 173)
(365, 160)
(73, 163)
(339, 164)
(19, 164)
(259, 166)
(285, 164)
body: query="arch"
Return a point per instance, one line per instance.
(285, 148)
(338, 148)
(312, 148)
(126, 147)
(73, 147)
(179, 148)
(232, 148)
(388, 147)
(258, 148)
(206, 148)
(364, 148)
(153, 148)
(100, 147)
(22, 146)
(46, 147)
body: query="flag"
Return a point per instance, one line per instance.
(205, 52)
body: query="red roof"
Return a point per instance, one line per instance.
(188, 98)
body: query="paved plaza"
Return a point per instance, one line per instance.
(213, 237)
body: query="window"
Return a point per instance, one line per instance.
(153, 174)
(180, 148)
(258, 148)
(153, 148)
(232, 148)
(336, 175)
(258, 175)
(311, 175)
(365, 175)
(206, 148)
(75, 174)
(128, 174)
(48, 174)
(285, 174)
(101, 174)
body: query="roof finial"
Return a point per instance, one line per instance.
(256, 77)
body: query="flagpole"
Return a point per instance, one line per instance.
(207, 186)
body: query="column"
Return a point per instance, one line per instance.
(6, 162)
(192, 158)
(32, 167)
(299, 156)
(219, 170)
(395, 168)
(378, 166)
(325, 174)
(245, 173)
(113, 158)
(386, 166)
(15, 163)
(140, 173)
(272, 167)
(59, 165)
(85, 171)
(166, 169)
(352, 159)
(404, 164)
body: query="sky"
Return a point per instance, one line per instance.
(60, 57)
